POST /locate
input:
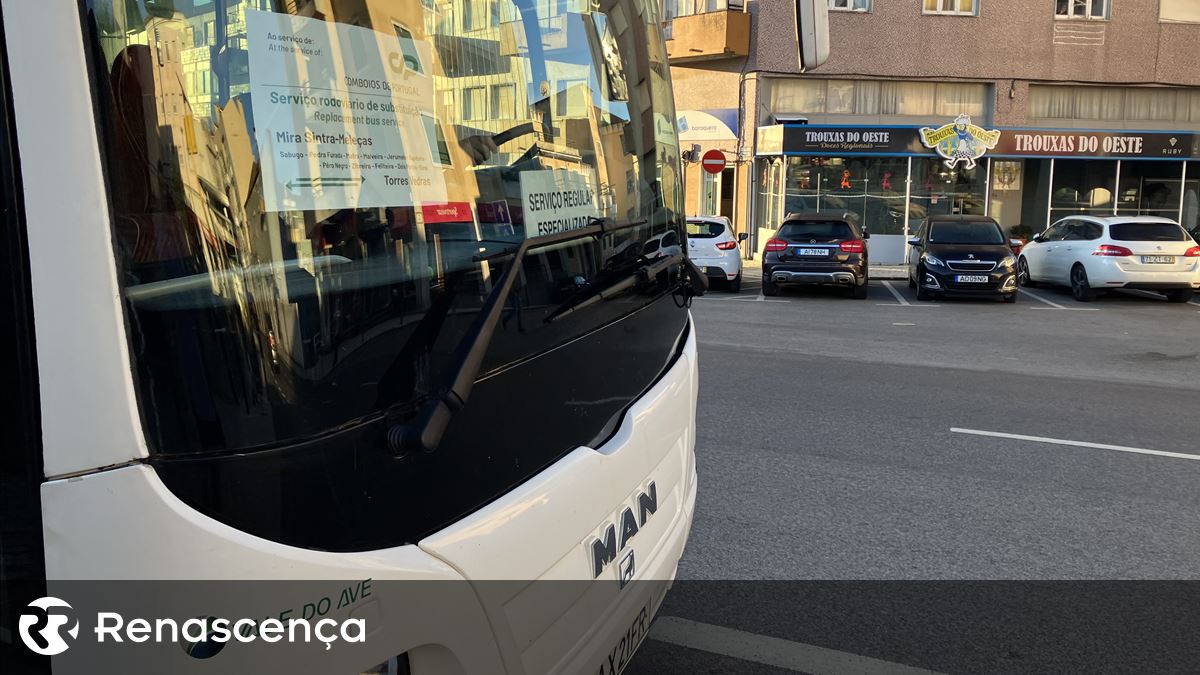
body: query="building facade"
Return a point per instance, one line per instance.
(1025, 110)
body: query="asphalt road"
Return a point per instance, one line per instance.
(827, 450)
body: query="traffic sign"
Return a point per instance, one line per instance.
(713, 161)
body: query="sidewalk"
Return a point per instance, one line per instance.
(753, 268)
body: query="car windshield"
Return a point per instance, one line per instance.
(704, 229)
(821, 230)
(970, 232)
(305, 198)
(1147, 232)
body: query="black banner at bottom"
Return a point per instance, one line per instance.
(368, 625)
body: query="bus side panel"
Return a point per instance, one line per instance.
(94, 523)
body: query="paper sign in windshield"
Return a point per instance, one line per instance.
(557, 200)
(343, 115)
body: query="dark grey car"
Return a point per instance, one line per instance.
(817, 248)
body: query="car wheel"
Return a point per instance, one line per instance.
(1023, 278)
(1010, 298)
(770, 288)
(1080, 288)
(859, 292)
(1179, 295)
(735, 286)
(911, 283)
(924, 295)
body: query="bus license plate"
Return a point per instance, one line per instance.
(1158, 259)
(971, 278)
(811, 251)
(621, 653)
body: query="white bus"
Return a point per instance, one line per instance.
(346, 292)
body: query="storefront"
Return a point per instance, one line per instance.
(895, 176)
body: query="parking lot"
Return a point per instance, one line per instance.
(891, 439)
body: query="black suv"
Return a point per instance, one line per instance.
(962, 255)
(817, 248)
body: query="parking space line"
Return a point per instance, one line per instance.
(771, 651)
(1193, 302)
(1078, 444)
(1055, 305)
(899, 298)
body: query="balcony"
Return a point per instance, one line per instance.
(720, 34)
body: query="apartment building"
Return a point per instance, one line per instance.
(1025, 110)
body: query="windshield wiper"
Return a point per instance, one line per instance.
(429, 426)
(646, 271)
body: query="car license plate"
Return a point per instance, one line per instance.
(812, 251)
(971, 278)
(621, 653)
(1158, 259)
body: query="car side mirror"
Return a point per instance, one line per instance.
(1016, 243)
(866, 235)
(743, 236)
(914, 241)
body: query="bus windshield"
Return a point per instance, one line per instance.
(310, 208)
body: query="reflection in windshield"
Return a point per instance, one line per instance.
(965, 233)
(299, 190)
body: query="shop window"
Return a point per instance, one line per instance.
(959, 7)
(955, 99)
(866, 97)
(1190, 216)
(1083, 186)
(1114, 103)
(1081, 9)
(908, 98)
(1152, 104)
(938, 189)
(850, 5)
(1150, 189)
(870, 187)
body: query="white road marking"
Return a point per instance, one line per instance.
(1055, 305)
(1078, 444)
(771, 651)
(1193, 302)
(899, 298)
(903, 324)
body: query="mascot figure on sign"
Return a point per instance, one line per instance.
(960, 141)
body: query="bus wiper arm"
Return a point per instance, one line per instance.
(429, 426)
(646, 271)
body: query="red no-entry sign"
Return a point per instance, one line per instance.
(713, 161)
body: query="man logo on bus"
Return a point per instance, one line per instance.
(960, 141)
(43, 623)
(615, 536)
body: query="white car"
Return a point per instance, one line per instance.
(714, 248)
(662, 245)
(1092, 254)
